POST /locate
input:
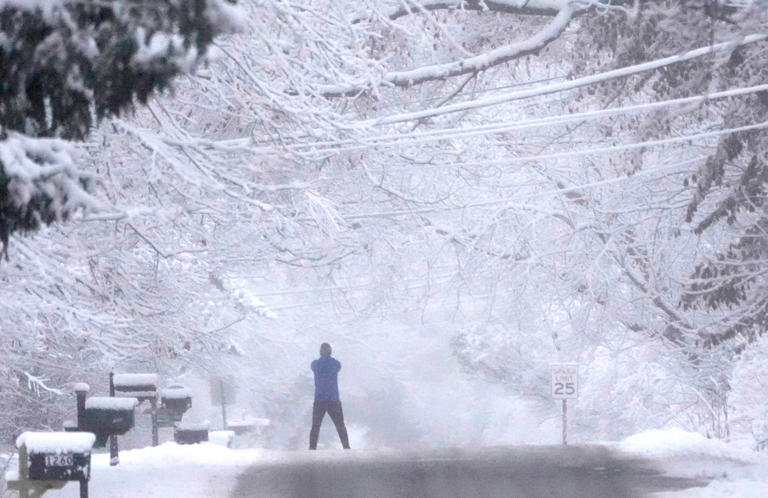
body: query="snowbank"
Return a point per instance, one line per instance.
(170, 455)
(741, 488)
(733, 469)
(222, 438)
(202, 470)
(657, 443)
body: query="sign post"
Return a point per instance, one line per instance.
(223, 405)
(565, 386)
(223, 393)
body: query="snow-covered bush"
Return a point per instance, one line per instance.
(748, 403)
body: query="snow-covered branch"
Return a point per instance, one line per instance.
(518, 7)
(468, 65)
(571, 84)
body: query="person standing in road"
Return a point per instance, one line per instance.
(326, 370)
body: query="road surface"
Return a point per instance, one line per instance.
(538, 471)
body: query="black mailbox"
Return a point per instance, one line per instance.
(59, 466)
(140, 386)
(107, 416)
(168, 418)
(176, 399)
(56, 456)
(190, 433)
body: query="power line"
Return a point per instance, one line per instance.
(601, 150)
(414, 138)
(568, 85)
(506, 126)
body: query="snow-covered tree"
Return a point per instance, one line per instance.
(395, 148)
(426, 161)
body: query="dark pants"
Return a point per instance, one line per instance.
(334, 410)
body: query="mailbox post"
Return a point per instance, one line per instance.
(48, 460)
(114, 451)
(223, 393)
(81, 391)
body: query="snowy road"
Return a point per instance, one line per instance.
(540, 471)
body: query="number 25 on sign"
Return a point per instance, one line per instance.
(565, 381)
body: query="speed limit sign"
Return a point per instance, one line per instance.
(565, 381)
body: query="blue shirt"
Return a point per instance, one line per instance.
(326, 371)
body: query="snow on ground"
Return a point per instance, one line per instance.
(170, 470)
(734, 468)
(679, 443)
(193, 471)
(209, 471)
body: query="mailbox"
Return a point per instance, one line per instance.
(57, 456)
(174, 402)
(177, 399)
(141, 386)
(168, 418)
(187, 433)
(107, 416)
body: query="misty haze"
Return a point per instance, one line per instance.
(383, 248)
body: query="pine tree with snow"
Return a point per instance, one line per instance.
(65, 64)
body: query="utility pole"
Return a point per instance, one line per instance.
(223, 406)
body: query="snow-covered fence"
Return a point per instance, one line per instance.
(48, 460)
